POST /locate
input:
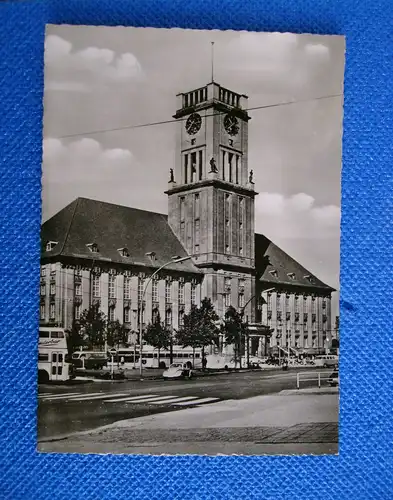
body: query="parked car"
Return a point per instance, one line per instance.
(178, 370)
(334, 379)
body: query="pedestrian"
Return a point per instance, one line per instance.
(204, 362)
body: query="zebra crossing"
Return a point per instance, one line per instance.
(127, 398)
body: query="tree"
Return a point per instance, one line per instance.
(93, 326)
(234, 330)
(199, 329)
(116, 334)
(158, 335)
(74, 337)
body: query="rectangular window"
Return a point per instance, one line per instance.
(42, 311)
(96, 286)
(193, 294)
(279, 304)
(287, 299)
(42, 289)
(185, 169)
(127, 288)
(168, 298)
(182, 230)
(230, 160)
(78, 272)
(154, 290)
(200, 165)
(111, 314)
(296, 304)
(53, 268)
(78, 289)
(43, 272)
(181, 293)
(78, 308)
(127, 315)
(140, 289)
(197, 233)
(223, 165)
(227, 299)
(112, 287)
(227, 223)
(324, 304)
(168, 318)
(241, 299)
(197, 206)
(53, 288)
(43, 357)
(237, 169)
(313, 305)
(52, 311)
(193, 166)
(269, 301)
(181, 319)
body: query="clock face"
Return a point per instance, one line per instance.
(193, 123)
(231, 124)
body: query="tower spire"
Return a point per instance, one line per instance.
(212, 57)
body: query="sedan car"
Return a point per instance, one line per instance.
(177, 370)
(334, 379)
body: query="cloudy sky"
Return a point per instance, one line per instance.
(99, 78)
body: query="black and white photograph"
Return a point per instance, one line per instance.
(190, 242)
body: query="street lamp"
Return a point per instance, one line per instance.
(175, 260)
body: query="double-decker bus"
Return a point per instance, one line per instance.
(129, 357)
(52, 353)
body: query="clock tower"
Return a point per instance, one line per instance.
(211, 193)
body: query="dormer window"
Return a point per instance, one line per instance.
(50, 245)
(309, 278)
(291, 276)
(93, 247)
(274, 273)
(124, 252)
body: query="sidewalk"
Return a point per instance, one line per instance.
(302, 423)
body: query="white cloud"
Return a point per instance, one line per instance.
(295, 217)
(81, 168)
(71, 70)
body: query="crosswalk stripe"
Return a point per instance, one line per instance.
(60, 396)
(130, 399)
(87, 397)
(196, 402)
(174, 400)
(161, 399)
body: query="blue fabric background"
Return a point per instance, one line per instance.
(364, 467)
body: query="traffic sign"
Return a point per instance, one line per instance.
(112, 352)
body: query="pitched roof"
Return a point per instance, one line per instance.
(113, 227)
(275, 266)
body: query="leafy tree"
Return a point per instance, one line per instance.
(234, 330)
(74, 337)
(93, 326)
(116, 334)
(158, 335)
(199, 329)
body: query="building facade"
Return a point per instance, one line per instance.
(100, 252)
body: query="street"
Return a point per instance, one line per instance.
(65, 410)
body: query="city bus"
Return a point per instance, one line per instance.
(129, 357)
(52, 353)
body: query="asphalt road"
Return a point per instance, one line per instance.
(63, 410)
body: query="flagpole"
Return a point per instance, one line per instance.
(212, 61)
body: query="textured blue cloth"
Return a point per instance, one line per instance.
(364, 467)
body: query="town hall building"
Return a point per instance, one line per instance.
(97, 252)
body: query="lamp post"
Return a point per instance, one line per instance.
(175, 260)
